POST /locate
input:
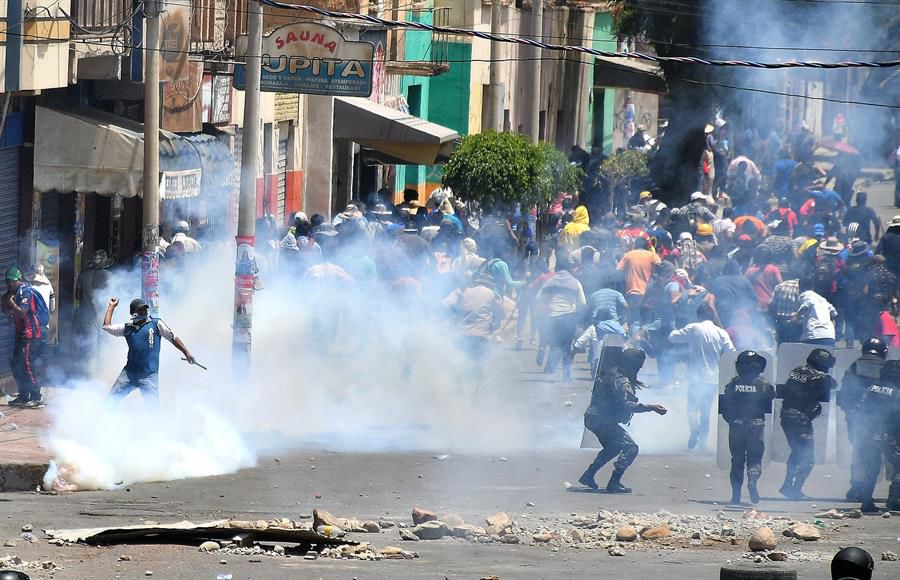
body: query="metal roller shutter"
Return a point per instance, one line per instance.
(281, 169)
(10, 158)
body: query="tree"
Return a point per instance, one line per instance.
(504, 168)
(555, 174)
(621, 168)
(492, 168)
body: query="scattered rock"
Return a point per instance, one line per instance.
(27, 528)
(529, 504)
(209, 546)
(371, 527)
(408, 536)
(805, 532)
(626, 534)
(324, 518)
(278, 550)
(148, 572)
(656, 532)
(544, 537)
(467, 531)
(889, 556)
(453, 520)
(420, 516)
(432, 530)
(616, 550)
(831, 514)
(499, 520)
(854, 514)
(886, 515)
(10, 544)
(763, 539)
(576, 536)
(777, 556)
(511, 539)
(124, 558)
(385, 524)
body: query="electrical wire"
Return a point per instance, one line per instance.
(582, 49)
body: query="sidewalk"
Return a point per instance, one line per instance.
(23, 459)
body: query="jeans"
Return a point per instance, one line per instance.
(148, 386)
(26, 353)
(820, 341)
(699, 407)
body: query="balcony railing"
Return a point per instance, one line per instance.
(100, 17)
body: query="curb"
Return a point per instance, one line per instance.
(21, 476)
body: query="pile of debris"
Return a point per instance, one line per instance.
(17, 563)
(617, 532)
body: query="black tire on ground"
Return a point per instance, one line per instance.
(760, 572)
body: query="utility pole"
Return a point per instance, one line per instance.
(494, 118)
(245, 259)
(150, 235)
(534, 109)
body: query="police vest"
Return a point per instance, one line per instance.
(804, 390)
(746, 400)
(144, 342)
(862, 374)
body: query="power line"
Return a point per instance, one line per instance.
(582, 49)
(770, 92)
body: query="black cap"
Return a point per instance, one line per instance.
(852, 563)
(136, 305)
(13, 575)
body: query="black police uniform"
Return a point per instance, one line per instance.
(880, 433)
(744, 406)
(613, 401)
(803, 393)
(861, 375)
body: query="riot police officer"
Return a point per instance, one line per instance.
(806, 388)
(613, 402)
(744, 405)
(861, 375)
(880, 433)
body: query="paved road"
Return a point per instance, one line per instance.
(474, 485)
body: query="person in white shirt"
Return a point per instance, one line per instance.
(706, 344)
(817, 315)
(182, 231)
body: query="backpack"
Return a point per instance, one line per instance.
(40, 308)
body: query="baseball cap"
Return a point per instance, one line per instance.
(697, 195)
(704, 230)
(136, 305)
(645, 195)
(13, 274)
(819, 230)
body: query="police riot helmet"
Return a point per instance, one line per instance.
(852, 563)
(631, 360)
(750, 361)
(875, 346)
(13, 575)
(820, 359)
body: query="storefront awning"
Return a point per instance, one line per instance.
(217, 163)
(91, 151)
(397, 134)
(626, 73)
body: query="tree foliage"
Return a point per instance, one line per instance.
(624, 166)
(503, 168)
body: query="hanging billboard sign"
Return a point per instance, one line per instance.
(313, 59)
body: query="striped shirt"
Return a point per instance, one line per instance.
(29, 326)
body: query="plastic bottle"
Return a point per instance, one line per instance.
(330, 531)
(223, 576)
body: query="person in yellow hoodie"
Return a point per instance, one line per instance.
(568, 238)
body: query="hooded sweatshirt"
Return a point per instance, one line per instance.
(580, 223)
(563, 294)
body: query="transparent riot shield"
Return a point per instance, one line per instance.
(611, 348)
(843, 451)
(790, 356)
(726, 373)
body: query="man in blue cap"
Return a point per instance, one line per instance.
(143, 335)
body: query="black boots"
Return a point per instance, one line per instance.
(587, 480)
(615, 483)
(754, 493)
